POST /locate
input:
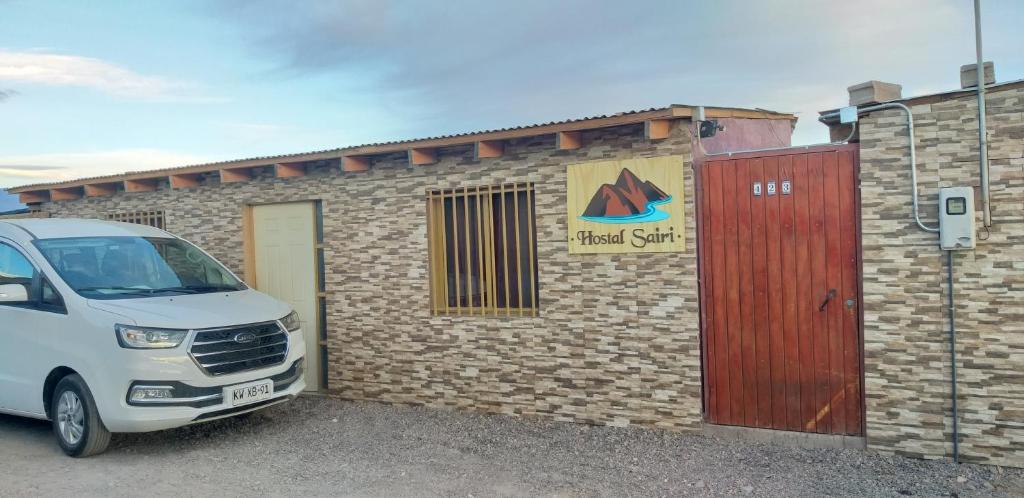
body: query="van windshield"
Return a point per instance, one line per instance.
(134, 267)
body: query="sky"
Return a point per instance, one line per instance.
(104, 87)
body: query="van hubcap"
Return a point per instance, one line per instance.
(70, 417)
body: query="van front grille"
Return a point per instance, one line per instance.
(231, 350)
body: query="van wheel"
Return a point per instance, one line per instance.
(77, 424)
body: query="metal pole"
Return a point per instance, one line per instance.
(952, 353)
(982, 128)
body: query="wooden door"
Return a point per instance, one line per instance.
(284, 246)
(780, 291)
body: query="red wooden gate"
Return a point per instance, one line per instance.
(780, 291)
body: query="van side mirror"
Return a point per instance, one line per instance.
(13, 293)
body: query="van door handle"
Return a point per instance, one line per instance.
(828, 297)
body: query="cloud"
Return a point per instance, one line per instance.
(42, 168)
(86, 72)
(462, 64)
(7, 93)
(30, 171)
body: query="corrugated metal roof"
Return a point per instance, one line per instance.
(337, 152)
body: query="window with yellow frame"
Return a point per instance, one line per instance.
(483, 250)
(151, 218)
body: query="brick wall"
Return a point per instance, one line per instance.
(616, 341)
(906, 327)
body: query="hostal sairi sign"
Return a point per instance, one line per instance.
(632, 205)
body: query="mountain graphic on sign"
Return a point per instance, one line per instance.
(628, 200)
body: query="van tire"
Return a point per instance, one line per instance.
(93, 436)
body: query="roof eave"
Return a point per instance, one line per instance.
(672, 112)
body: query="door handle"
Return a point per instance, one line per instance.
(828, 297)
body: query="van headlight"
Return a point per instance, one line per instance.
(291, 322)
(132, 337)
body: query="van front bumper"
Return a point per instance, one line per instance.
(182, 394)
(192, 404)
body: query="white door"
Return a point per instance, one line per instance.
(284, 247)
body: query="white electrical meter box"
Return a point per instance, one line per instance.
(956, 218)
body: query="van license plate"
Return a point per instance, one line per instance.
(252, 392)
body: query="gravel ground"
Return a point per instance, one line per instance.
(318, 446)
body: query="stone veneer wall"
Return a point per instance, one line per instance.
(906, 327)
(616, 340)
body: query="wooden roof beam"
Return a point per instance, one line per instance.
(657, 129)
(140, 185)
(355, 164)
(289, 170)
(185, 181)
(100, 189)
(235, 175)
(568, 140)
(65, 194)
(34, 197)
(422, 156)
(488, 149)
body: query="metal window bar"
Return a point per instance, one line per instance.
(532, 226)
(480, 251)
(455, 252)
(431, 249)
(466, 230)
(491, 263)
(469, 255)
(504, 247)
(519, 258)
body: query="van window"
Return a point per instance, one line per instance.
(50, 296)
(132, 267)
(15, 268)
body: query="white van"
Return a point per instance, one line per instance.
(114, 327)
